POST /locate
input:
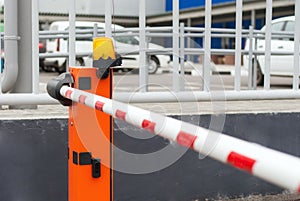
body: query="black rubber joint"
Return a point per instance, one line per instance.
(55, 84)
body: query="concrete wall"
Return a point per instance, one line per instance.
(34, 160)
(121, 7)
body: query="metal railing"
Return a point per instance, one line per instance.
(182, 35)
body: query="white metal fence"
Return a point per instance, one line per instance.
(181, 37)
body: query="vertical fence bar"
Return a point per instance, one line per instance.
(176, 82)
(253, 22)
(108, 14)
(207, 46)
(238, 44)
(296, 46)
(72, 34)
(268, 37)
(182, 46)
(255, 65)
(35, 44)
(189, 39)
(95, 30)
(250, 55)
(143, 74)
(1, 65)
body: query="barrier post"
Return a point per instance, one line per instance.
(90, 131)
(90, 137)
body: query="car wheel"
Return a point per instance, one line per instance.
(259, 75)
(153, 65)
(62, 68)
(79, 62)
(48, 68)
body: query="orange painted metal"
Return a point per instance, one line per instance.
(90, 131)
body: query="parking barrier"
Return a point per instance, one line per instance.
(272, 166)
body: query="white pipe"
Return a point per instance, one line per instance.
(238, 44)
(27, 99)
(268, 40)
(176, 81)
(250, 62)
(270, 165)
(35, 43)
(207, 47)
(143, 64)
(10, 74)
(108, 13)
(0, 66)
(154, 97)
(182, 59)
(72, 34)
(205, 96)
(296, 46)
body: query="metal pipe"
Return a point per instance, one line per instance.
(95, 31)
(182, 59)
(72, 34)
(11, 38)
(108, 14)
(35, 50)
(187, 96)
(189, 40)
(143, 67)
(268, 41)
(238, 44)
(296, 46)
(176, 82)
(155, 97)
(255, 66)
(207, 46)
(253, 22)
(250, 66)
(0, 66)
(27, 99)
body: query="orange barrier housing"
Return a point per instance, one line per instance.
(91, 135)
(89, 140)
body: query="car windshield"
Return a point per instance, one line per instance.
(127, 40)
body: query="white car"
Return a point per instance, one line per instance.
(127, 46)
(281, 65)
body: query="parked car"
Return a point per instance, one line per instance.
(281, 65)
(42, 49)
(127, 46)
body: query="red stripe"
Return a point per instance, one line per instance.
(186, 139)
(299, 189)
(99, 106)
(120, 114)
(241, 162)
(68, 93)
(148, 125)
(82, 99)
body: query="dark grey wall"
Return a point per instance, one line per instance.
(34, 154)
(33, 157)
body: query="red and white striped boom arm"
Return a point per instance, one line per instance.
(272, 166)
